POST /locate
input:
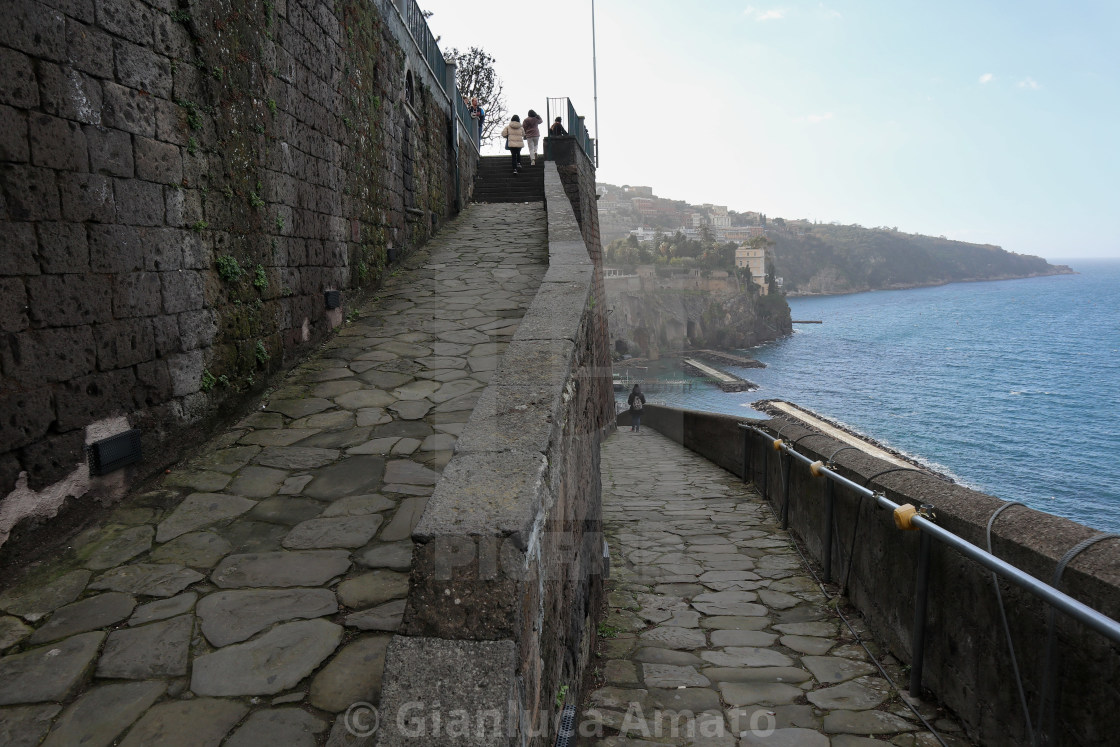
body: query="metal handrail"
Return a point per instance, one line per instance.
(574, 124)
(1099, 622)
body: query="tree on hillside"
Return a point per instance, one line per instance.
(476, 78)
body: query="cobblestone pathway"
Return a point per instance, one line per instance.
(712, 612)
(254, 592)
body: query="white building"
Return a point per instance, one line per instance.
(755, 261)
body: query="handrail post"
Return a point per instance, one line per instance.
(921, 595)
(829, 509)
(785, 490)
(746, 455)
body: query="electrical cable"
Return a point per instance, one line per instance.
(1045, 707)
(1007, 628)
(866, 650)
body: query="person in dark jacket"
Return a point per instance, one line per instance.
(637, 401)
(557, 129)
(532, 135)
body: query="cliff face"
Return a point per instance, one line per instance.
(655, 322)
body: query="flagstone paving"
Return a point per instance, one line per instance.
(712, 612)
(271, 568)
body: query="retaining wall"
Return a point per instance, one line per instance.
(967, 665)
(179, 185)
(505, 585)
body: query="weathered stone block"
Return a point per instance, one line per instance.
(110, 151)
(165, 332)
(138, 67)
(29, 193)
(13, 305)
(126, 18)
(13, 135)
(158, 162)
(172, 39)
(153, 383)
(184, 207)
(69, 94)
(163, 250)
(89, 398)
(87, 197)
(63, 248)
(35, 29)
(50, 459)
(69, 300)
(24, 417)
(90, 49)
(80, 9)
(49, 354)
(124, 343)
(18, 86)
(57, 143)
(138, 203)
(185, 370)
(136, 294)
(21, 250)
(128, 109)
(171, 123)
(183, 291)
(115, 249)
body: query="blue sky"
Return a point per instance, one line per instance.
(994, 122)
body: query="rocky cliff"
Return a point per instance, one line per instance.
(651, 323)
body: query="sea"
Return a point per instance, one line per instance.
(1010, 387)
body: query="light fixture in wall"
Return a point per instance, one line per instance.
(112, 453)
(333, 299)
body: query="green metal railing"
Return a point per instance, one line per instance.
(574, 124)
(422, 35)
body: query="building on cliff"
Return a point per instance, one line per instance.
(755, 261)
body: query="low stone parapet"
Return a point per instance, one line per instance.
(509, 549)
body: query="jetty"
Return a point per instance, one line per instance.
(728, 359)
(725, 381)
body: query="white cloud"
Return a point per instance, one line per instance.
(986, 78)
(759, 15)
(815, 118)
(1030, 83)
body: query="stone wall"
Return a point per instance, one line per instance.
(577, 174)
(967, 665)
(506, 572)
(179, 185)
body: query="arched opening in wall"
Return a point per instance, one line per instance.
(409, 89)
(691, 331)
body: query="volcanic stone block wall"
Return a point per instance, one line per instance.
(967, 663)
(506, 577)
(179, 184)
(577, 174)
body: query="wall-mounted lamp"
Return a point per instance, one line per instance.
(114, 452)
(333, 299)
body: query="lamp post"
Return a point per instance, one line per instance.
(595, 82)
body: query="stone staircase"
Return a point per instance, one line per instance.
(497, 182)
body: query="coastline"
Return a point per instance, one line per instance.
(1058, 270)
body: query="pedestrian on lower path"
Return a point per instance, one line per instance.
(514, 134)
(532, 134)
(637, 401)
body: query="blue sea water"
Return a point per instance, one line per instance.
(1011, 387)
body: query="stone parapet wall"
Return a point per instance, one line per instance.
(966, 665)
(509, 548)
(179, 185)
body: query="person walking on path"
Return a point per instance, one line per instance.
(637, 401)
(532, 134)
(557, 129)
(514, 134)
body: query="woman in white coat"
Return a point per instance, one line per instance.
(514, 134)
